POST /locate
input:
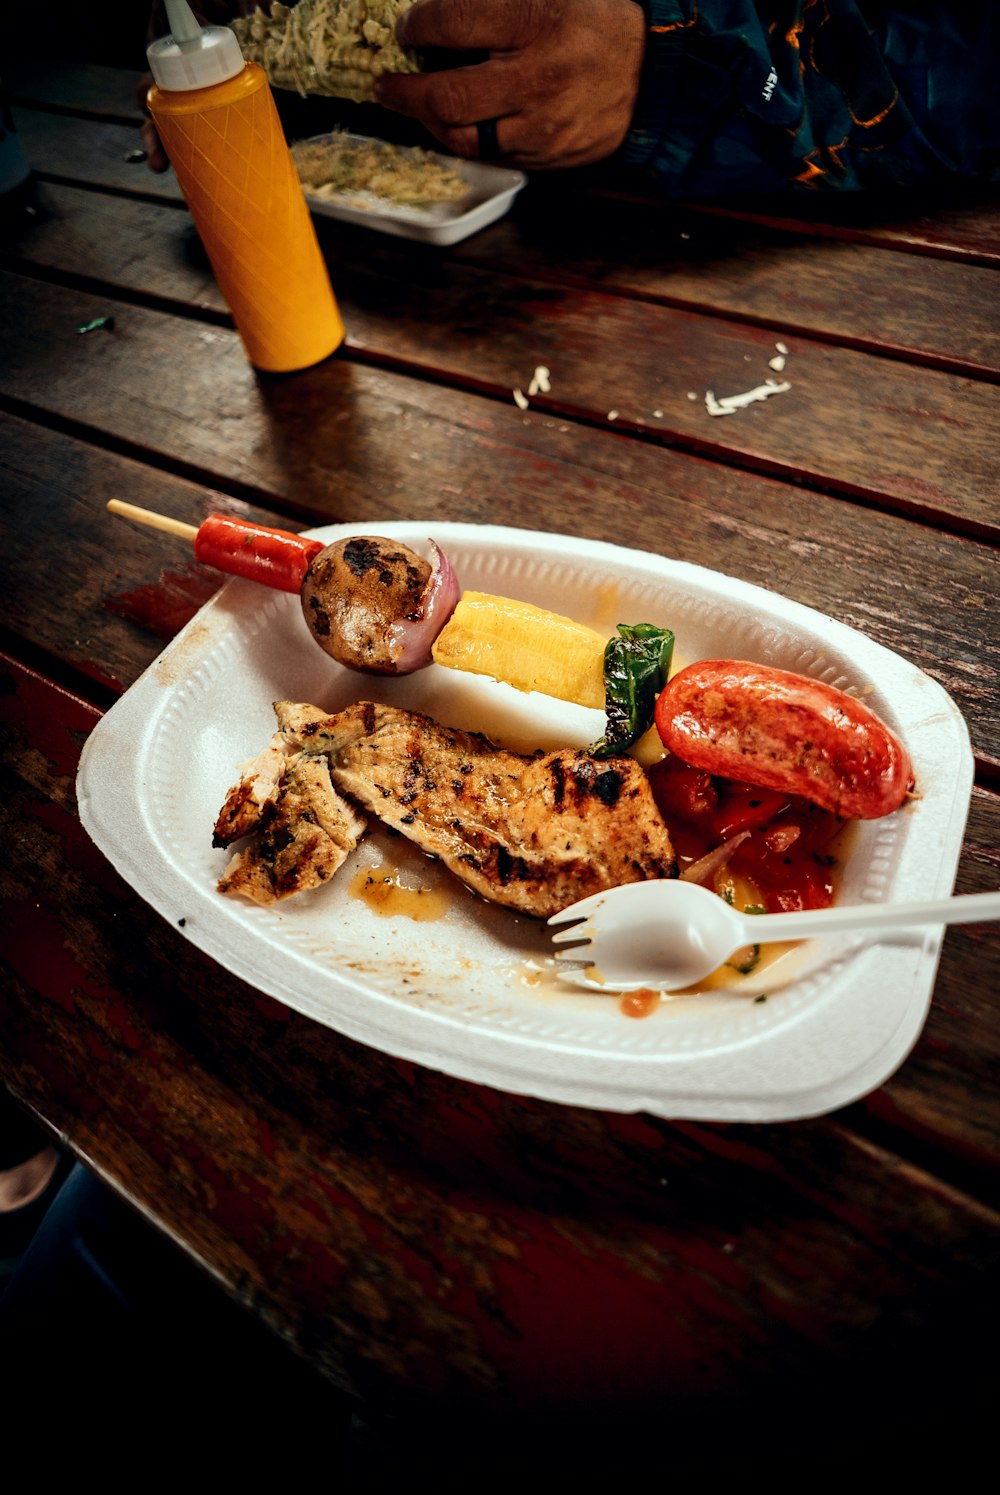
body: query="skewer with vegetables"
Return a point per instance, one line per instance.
(372, 604)
(377, 607)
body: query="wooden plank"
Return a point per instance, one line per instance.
(914, 440)
(430, 1242)
(97, 153)
(901, 306)
(923, 594)
(930, 1095)
(104, 93)
(959, 222)
(132, 246)
(81, 590)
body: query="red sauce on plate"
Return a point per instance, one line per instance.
(787, 858)
(640, 1003)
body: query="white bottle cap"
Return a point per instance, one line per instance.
(193, 56)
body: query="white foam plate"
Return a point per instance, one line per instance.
(491, 190)
(472, 992)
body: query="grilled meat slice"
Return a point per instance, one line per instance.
(307, 832)
(531, 833)
(250, 803)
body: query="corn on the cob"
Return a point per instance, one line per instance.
(333, 47)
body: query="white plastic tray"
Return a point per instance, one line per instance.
(492, 189)
(470, 993)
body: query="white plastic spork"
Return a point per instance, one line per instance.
(668, 934)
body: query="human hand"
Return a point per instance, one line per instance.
(561, 80)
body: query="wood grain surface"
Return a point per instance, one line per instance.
(903, 306)
(434, 1247)
(647, 368)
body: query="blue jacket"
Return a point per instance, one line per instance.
(817, 95)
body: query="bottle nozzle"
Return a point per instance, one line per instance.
(193, 56)
(184, 28)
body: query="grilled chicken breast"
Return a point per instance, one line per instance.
(531, 833)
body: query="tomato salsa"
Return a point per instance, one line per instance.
(786, 860)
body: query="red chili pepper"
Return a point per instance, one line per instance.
(274, 557)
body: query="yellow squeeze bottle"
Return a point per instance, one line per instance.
(219, 126)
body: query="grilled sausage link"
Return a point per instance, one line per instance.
(782, 731)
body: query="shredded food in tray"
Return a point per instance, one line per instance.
(341, 166)
(332, 47)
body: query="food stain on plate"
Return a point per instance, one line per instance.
(390, 893)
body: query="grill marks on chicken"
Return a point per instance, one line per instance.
(303, 829)
(530, 833)
(251, 800)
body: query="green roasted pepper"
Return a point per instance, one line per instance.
(636, 665)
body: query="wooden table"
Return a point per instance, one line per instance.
(427, 1243)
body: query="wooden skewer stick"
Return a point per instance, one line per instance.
(154, 521)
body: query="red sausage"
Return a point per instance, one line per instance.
(274, 557)
(782, 731)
